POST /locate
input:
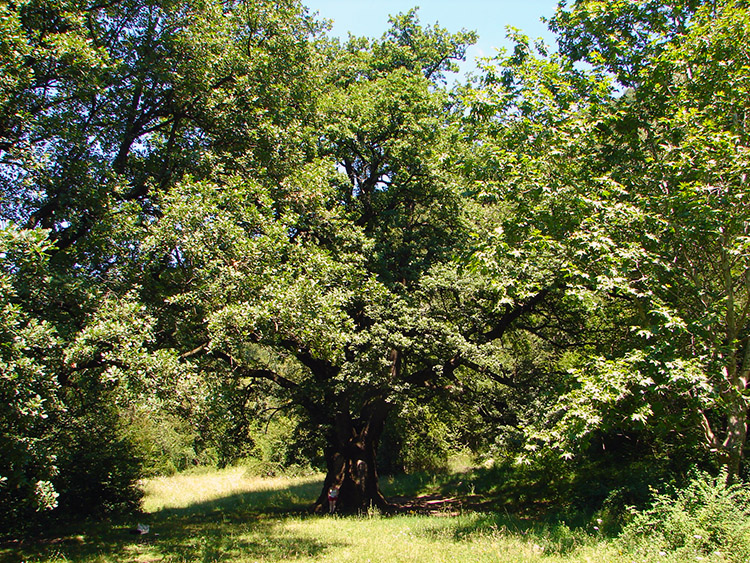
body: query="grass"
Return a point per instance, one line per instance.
(230, 516)
(229, 488)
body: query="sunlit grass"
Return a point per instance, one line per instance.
(200, 487)
(229, 516)
(414, 538)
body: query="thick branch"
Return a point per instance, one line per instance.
(245, 371)
(513, 313)
(200, 349)
(708, 432)
(321, 369)
(424, 376)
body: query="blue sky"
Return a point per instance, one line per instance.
(489, 18)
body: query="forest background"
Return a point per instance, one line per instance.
(228, 236)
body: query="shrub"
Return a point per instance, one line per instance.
(705, 517)
(164, 442)
(99, 468)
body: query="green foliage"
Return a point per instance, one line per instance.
(103, 109)
(99, 467)
(226, 235)
(280, 446)
(29, 403)
(621, 36)
(623, 396)
(705, 517)
(433, 51)
(634, 207)
(687, 271)
(164, 442)
(418, 439)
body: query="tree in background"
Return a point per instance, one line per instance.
(533, 116)
(652, 182)
(677, 152)
(104, 109)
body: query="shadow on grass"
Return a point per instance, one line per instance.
(246, 526)
(554, 537)
(531, 496)
(255, 525)
(476, 489)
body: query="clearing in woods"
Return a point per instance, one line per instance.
(227, 515)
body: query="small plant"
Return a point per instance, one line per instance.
(560, 539)
(706, 517)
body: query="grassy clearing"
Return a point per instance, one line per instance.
(229, 516)
(231, 487)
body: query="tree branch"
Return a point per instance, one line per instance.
(245, 371)
(514, 313)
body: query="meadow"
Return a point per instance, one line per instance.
(229, 515)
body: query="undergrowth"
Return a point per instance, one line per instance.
(707, 518)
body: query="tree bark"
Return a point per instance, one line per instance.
(734, 443)
(351, 460)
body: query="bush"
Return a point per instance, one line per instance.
(164, 442)
(705, 517)
(99, 469)
(277, 448)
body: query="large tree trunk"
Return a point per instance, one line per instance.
(351, 461)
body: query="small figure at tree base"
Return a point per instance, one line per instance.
(333, 495)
